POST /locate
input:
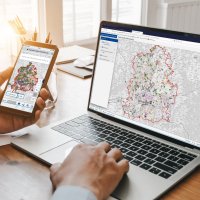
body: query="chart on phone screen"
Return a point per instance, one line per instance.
(27, 78)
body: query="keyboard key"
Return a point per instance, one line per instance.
(150, 155)
(139, 139)
(115, 146)
(145, 147)
(137, 144)
(77, 136)
(125, 145)
(136, 162)
(155, 151)
(92, 137)
(165, 149)
(109, 139)
(154, 170)
(71, 123)
(102, 135)
(130, 141)
(182, 162)
(99, 140)
(173, 165)
(99, 129)
(121, 138)
(131, 136)
(147, 142)
(78, 120)
(131, 153)
(117, 142)
(163, 154)
(129, 158)
(165, 168)
(123, 133)
(160, 159)
(140, 157)
(107, 131)
(114, 135)
(156, 146)
(191, 155)
(149, 161)
(124, 150)
(88, 141)
(185, 157)
(143, 152)
(145, 166)
(164, 175)
(174, 152)
(172, 158)
(133, 148)
(83, 133)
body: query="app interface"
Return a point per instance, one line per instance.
(27, 78)
(149, 79)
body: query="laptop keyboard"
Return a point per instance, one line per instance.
(156, 157)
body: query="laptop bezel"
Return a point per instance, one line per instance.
(116, 25)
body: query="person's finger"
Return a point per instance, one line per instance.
(116, 154)
(54, 168)
(104, 146)
(44, 94)
(40, 103)
(1, 93)
(37, 116)
(123, 165)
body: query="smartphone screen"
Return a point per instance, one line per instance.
(27, 78)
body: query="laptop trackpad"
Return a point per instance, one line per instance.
(59, 153)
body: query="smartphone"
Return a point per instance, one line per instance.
(30, 73)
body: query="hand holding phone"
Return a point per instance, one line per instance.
(30, 73)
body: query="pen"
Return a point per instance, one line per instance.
(34, 38)
(20, 25)
(47, 38)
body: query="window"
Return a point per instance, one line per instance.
(9, 9)
(127, 11)
(80, 19)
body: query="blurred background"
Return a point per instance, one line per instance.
(77, 21)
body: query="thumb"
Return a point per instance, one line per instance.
(1, 93)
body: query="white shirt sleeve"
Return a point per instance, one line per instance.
(72, 193)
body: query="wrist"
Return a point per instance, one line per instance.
(94, 190)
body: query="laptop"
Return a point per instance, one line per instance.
(143, 99)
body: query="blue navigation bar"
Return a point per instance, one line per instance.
(109, 39)
(109, 35)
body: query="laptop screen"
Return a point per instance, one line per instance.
(149, 78)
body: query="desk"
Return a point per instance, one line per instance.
(23, 178)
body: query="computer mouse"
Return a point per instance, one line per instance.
(84, 61)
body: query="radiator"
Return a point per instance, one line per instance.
(183, 16)
(179, 15)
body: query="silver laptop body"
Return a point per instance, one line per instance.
(145, 84)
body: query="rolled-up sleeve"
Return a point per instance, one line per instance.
(72, 193)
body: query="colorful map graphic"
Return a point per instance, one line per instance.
(150, 91)
(26, 78)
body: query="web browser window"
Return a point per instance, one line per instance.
(150, 80)
(27, 78)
